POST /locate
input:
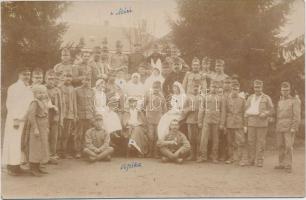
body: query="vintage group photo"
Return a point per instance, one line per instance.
(152, 99)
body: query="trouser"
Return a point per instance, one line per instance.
(119, 143)
(53, 137)
(82, 126)
(194, 139)
(152, 136)
(256, 144)
(285, 142)
(107, 151)
(66, 140)
(13, 168)
(165, 151)
(236, 144)
(209, 132)
(223, 145)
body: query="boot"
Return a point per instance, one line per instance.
(40, 170)
(34, 170)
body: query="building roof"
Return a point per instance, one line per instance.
(94, 35)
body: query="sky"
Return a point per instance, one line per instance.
(156, 13)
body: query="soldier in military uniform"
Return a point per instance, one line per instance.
(83, 69)
(219, 76)
(135, 59)
(96, 63)
(191, 108)
(232, 121)
(209, 120)
(175, 146)
(223, 145)
(175, 75)
(85, 97)
(192, 78)
(288, 117)
(259, 108)
(65, 67)
(97, 141)
(119, 60)
(206, 74)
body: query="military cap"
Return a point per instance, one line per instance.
(213, 84)
(195, 60)
(228, 80)
(114, 99)
(176, 60)
(99, 81)
(23, 70)
(206, 60)
(50, 72)
(235, 81)
(65, 52)
(132, 98)
(285, 85)
(37, 71)
(235, 85)
(220, 62)
(98, 116)
(258, 83)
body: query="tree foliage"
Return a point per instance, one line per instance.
(243, 33)
(31, 36)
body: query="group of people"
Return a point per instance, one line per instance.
(99, 105)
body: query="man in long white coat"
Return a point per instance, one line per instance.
(19, 97)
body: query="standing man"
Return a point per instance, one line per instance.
(192, 78)
(119, 60)
(209, 118)
(135, 59)
(85, 97)
(223, 145)
(19, 97)
(232, 121)
(288, 117)
(105, 59)
(65, 66)
(259, 108)
(175, 75)
(219, 76)
(155, 56)
(206, 75)
(82, 69)
(96, 64)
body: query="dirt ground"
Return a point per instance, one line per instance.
(76, 178)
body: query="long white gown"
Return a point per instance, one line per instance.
(19, 97)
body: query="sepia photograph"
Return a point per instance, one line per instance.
(152, 99)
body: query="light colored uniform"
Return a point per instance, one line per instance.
(258, 128)
(233, 120)
(210, 116)
(288, 117)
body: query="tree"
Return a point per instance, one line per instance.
(243, 33)
(31, 36)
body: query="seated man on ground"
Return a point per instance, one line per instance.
(175, 146)
(97, 142)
